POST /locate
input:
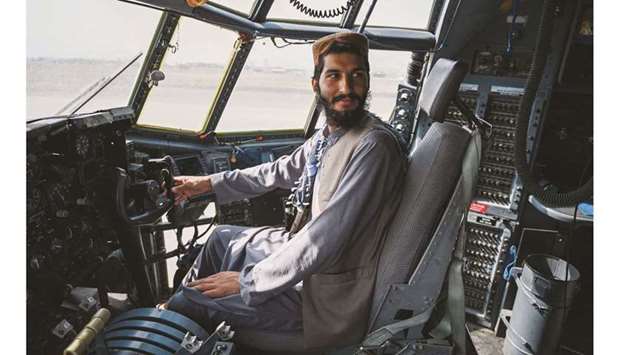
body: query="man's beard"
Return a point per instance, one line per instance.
(344, 119)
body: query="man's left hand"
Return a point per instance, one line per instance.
(218, 285)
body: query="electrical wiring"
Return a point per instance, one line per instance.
(288, 42)
(327, 13)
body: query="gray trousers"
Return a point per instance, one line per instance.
(230, 248)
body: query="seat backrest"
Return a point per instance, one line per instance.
(440, 181)
(440, 87)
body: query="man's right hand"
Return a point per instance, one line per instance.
(189, 186)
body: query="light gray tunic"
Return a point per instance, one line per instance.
(271, 260)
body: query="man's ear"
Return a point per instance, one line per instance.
(315, 85)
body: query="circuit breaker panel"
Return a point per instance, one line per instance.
(494, 210)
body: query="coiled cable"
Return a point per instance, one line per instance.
(328, 13)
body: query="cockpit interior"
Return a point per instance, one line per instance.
(492, 239)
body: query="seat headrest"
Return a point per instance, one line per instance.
(440, 87)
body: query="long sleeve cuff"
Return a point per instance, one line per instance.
(247, 285)
(217, 182)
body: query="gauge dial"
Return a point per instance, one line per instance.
(60, 194)
(82, 145)
(98, 145)
(33, 201)
(31, 166)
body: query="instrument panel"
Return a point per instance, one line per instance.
(198, 159)
(71, 222)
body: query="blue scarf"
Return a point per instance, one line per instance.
(301, 194)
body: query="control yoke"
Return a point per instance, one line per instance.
(146, 201)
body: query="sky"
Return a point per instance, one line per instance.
(109, 29)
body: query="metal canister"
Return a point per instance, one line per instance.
(547, 285)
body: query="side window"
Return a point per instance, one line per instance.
(194, 66)
(273, 92)
(387, 70)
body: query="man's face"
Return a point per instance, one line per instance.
(343, 87)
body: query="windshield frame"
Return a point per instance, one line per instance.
(154, 58)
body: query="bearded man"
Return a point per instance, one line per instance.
(317, 277)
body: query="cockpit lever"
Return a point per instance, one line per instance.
(474, 120)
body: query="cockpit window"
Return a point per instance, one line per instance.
(75, 46)
(398, 13)
(273, 91)
(387, 70)
(194, 65)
